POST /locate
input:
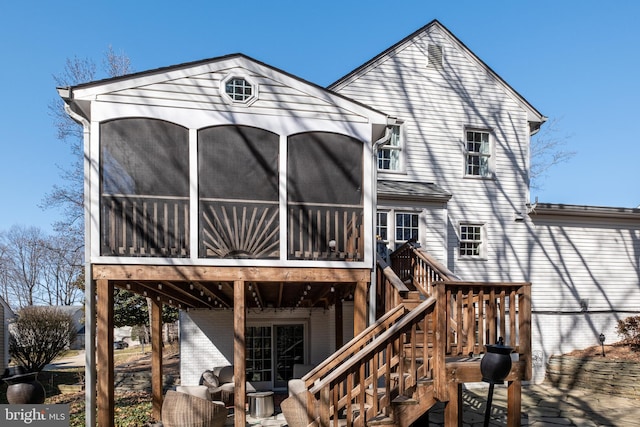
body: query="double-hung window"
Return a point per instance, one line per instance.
(478, 153)
(395, 228)
(390, 154)
(406, 226)
(472, 241)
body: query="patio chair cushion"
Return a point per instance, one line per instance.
(225, 375)
(200, 391)
(296, 386)
(210, 379)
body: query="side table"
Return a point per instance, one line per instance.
(260, 404)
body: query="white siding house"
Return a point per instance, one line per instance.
(456, 178)
(446, 96)
(248, 198)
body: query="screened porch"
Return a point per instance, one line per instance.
(237, 192)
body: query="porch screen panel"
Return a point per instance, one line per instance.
(325, 203)
(144, 170)
(238, 193)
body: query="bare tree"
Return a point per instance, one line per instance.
(69, 196)
(25, 259)
(63, 273)
(547, 150)
(4, 268)
(36, 268)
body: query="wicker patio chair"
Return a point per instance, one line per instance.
(294, 409)
(185, 410)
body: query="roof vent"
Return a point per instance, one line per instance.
(434, 56)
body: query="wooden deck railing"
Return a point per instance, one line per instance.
(152, 226)
(458, 318)
(144, 226)
(390, 290)
(417, 267)
(325, 232)
(475, 313)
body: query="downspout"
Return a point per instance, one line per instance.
(391, 121)
(90, 291)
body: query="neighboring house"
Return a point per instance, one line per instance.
(7, 315)
(252, 200)
(77, 313)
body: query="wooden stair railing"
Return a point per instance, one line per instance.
(418, 352)
(365, 385)
(354, 346)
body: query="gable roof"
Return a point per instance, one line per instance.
(533, 115)
(80, 96)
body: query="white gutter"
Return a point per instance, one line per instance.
(391, 121)
(90, 292)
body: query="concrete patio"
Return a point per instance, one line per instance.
(542, 406)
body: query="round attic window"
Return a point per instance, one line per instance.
(239, 89)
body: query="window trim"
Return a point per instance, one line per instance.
(229, 99)
(490, 155)
(482, 250)
(400, 149)
(391, 241)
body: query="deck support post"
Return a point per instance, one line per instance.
(104, 354)
(514, 403)
(339, 324)
(239, 353)
(453, 408)
(360, 308)
(156, 358)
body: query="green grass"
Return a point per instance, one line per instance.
(131, 408)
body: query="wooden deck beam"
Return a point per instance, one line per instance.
(162, 273)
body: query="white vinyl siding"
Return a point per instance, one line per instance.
(436, 109)
(576, 261)
(199, 329)
(585, 260)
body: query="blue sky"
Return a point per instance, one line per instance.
(577, 61)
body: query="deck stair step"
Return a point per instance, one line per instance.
(381, 420)
(405, 400)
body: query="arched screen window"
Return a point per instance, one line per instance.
(144, 168)
(325, 203)
(238, 192)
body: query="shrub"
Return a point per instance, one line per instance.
(629, 329)
(39, 335)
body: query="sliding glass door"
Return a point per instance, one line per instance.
(272, 350)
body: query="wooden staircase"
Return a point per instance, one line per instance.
(426, 343)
